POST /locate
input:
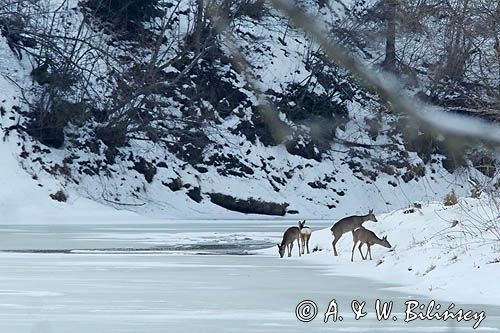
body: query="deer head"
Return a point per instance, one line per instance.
(371, 216)
(385, 242)
(281, 250)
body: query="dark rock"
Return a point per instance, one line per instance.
(174, 185)
(147, 169)
(409, 175)
(248, 206)
(255, 129)
(88, 172)
(110, 153)
(317, 184)
(419, 170)
(279, 180)
(229, 165)
(307, 150)
(354, 165)
(93, 146)
(374, 127)
(189, 146)
(51, 137)
(273, 185)
(409, 211)
(162, 165)
(195, 194)
(59, 196)
(292, 212)
(201, 169)
(388, 169)
(369, 173)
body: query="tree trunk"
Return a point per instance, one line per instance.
(458, 51)
(389, 62)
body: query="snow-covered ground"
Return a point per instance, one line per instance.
(443, 252)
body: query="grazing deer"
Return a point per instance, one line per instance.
(349, 224)
(368, 237)
(305, 235)
(291, 235)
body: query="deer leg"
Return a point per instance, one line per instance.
(370, 251)
(352, 253)
(290, 247)
(307, 244)
(335, 240)
(361, 252)
(302, 241)
(298, 244)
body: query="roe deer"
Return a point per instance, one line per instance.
(368, 237)
(349, 224)
(291, 235)
(305, 235)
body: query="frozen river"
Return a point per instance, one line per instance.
(182, 277)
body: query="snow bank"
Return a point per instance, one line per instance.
(442, 252)
(23, 201)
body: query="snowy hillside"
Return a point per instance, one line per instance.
(173, 127)
(152, 151)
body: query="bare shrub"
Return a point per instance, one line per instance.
(450, 199)
(59, 196)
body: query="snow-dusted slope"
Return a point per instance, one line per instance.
(25, 197)
(355, 171)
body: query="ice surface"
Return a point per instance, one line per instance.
(161, 292)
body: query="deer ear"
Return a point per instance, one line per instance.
(370, 211)
(384, 238)
(278, 246)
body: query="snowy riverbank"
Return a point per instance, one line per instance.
(431, 254)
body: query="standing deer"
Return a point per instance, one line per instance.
(305, 235)
(291, 235)
(349, 224)
(368, 237)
